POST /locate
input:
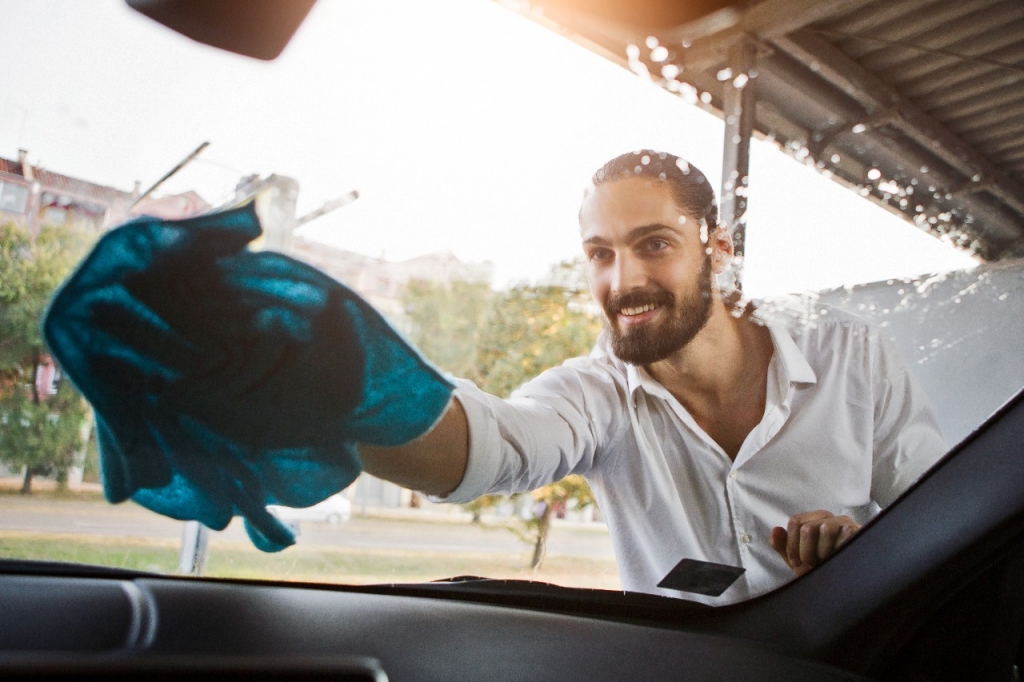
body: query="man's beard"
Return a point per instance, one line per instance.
(648, 343)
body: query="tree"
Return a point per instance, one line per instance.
(446, 320)
(39, 431)
(44, 436)
(500, 340)
(570, 490)
(532, 328)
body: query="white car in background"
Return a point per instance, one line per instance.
(333, 510)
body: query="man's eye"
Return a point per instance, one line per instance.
(655, 245)
(600, 254)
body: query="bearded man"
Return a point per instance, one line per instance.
(728, 452)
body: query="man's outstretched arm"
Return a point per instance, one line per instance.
(434, 463)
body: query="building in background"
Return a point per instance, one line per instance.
(381, 282)
(34, 197)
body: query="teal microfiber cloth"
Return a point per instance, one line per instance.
(224, 379)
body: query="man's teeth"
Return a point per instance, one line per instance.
(638, 310)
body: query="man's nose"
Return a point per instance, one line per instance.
(627, 275)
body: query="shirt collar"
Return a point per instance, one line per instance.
(795, 368)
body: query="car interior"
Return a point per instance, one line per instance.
(881, 97)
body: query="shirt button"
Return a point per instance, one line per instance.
(732, 474)
(746, 538)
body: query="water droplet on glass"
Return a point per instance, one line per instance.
(858, 129)
(705, 97)
(688, 93)
(651, 42)
(835, 158)
(659, 54)
(724, 74)
(924, 169)
(874, 174)
(739, 81)
(670, 71)
(645, 159)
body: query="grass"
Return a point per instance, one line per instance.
(52, 493)
(306, 564)
(156, 556)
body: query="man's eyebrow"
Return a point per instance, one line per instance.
(633, 235)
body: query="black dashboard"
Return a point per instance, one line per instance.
(192, 628)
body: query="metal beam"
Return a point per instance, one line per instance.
(738, 111)
(874, 94)
(764, 21)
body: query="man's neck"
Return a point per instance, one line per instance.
(716, 361)
(720, 377)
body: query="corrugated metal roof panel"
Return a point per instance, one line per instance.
(929, 93)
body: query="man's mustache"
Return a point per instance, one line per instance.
(634, 299)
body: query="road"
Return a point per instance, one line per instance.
(378, 529)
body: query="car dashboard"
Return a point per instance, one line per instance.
(193, 628)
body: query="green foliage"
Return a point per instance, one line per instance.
(43, 436)
(501, 340)
(571, 491)
(41, 433)
(30, 270)
(446, 321)
(532, 328)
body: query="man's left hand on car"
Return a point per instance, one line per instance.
(810, 538)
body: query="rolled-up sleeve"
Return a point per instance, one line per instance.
(548, 429)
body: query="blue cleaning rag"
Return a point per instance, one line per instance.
(224, 380)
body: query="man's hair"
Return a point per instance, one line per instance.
(690, 189)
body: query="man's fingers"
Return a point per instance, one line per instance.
(777, 540)
(846, 532)
(794, 529)
(809, 535)
(828, 534)
(811, 538)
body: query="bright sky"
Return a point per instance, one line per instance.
(464, 126)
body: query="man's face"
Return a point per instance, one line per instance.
(649, 267)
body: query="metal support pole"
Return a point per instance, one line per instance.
(167, 176)
(739, 103)
(194, 540)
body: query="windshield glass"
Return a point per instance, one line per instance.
(434, 158)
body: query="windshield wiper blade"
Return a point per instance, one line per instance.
(535, 594)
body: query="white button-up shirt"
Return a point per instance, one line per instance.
(845, 429)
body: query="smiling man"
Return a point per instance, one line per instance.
(728, 450)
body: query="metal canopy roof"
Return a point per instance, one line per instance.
(918, 103)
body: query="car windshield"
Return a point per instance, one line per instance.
(433, 157)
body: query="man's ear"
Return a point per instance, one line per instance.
(722, 250)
